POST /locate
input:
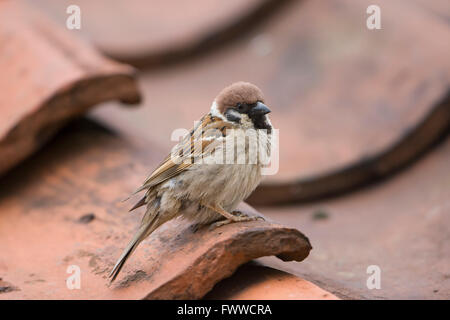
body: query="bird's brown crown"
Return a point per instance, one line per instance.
(239, 92)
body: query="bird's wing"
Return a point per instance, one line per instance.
(200, 142)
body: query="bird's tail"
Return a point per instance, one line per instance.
(140, 235)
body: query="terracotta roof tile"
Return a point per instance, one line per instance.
(48, 76)
(63, 208)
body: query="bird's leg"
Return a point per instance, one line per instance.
(230, 217)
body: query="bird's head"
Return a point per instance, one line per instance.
(243, 103)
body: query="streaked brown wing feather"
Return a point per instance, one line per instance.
(187, 151)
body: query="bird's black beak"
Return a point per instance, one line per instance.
(260, 109)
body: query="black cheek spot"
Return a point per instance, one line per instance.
(232, 117)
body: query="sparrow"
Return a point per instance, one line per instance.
(191, 183)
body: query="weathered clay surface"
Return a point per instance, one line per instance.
(149, 33)
(401, 225)
(63, 207)
(345, 98)
(188, 265)
(47, 77)
(256, 282)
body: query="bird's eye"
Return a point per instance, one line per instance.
(240, 107)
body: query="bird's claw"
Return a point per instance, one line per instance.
(239, 216)
(245, 217)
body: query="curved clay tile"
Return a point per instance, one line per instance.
(61, 211)
(401, 226)
(47, 77)
(253, 281)
(149, 33)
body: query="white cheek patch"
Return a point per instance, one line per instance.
(215, 111)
